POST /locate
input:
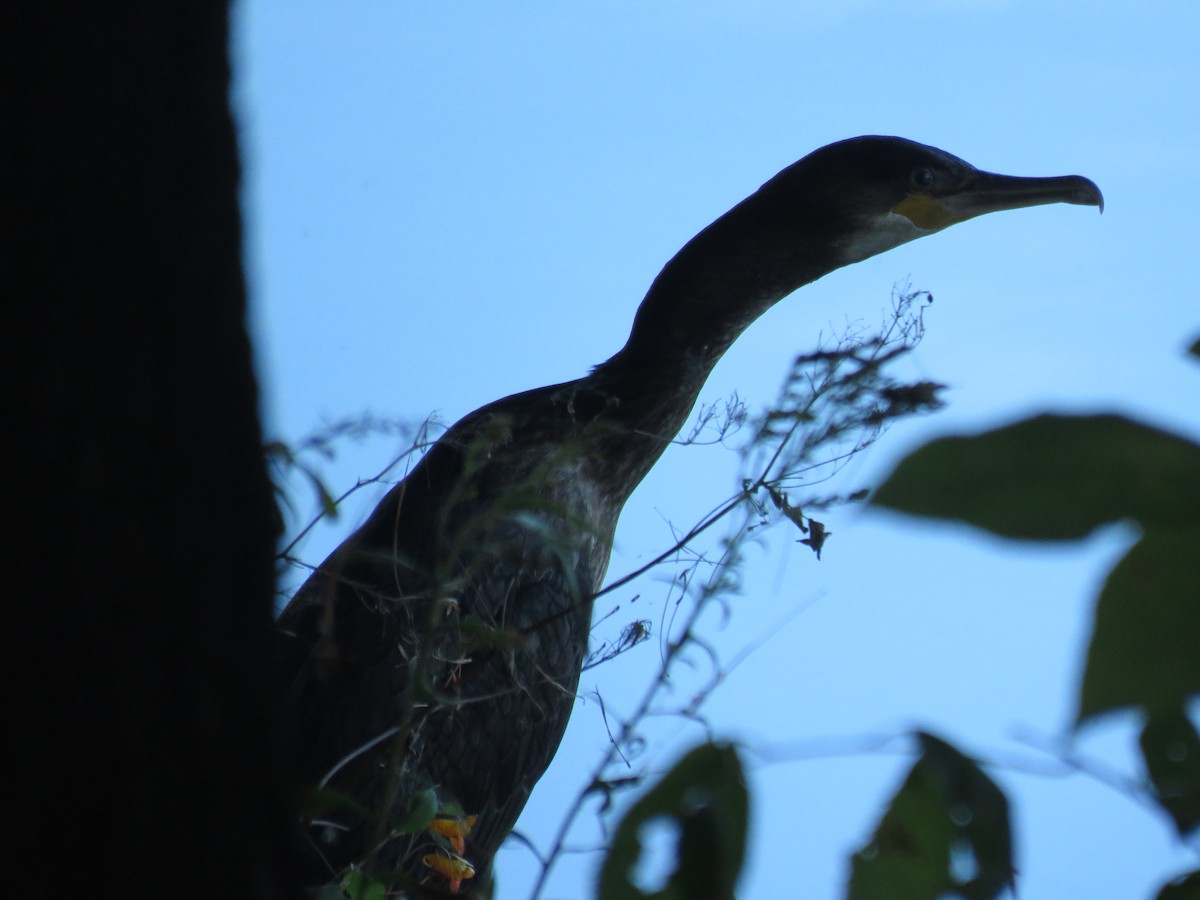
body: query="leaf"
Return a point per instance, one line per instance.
(356, 885)
(1195, 348)
(1185, 887)
(421, 811)
(319, 802)
(705, 795)
(1171, 749)
(1145, 645)
(1051, 478)
(328, 502)
(353, 883)
(945, 832)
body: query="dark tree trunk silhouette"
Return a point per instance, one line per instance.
(139, 734)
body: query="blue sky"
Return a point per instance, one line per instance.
(449, 202)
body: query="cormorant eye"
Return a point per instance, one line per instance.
(921, 178)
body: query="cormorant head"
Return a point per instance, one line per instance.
(869, 194)
(838, 205)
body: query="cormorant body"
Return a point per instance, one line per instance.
(440, 646)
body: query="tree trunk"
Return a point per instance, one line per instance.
(139, 633)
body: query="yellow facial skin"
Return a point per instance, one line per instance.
(927, 213)
(986, 192)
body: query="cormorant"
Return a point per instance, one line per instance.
(440, 646)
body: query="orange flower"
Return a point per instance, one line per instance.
(453, 868)
(454, 829)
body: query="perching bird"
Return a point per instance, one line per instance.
(440, 646)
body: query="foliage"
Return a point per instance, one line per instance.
(1056, 478)
(704, 797)
(946, 832)
(1185, 887)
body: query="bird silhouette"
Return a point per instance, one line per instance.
(432, 660)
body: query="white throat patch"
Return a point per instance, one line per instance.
(885, 232)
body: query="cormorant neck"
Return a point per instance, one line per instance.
(705, 297)
(722, 280)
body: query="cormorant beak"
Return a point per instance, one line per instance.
(985, 192)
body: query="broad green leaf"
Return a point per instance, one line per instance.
(421, 811)
(353, 883)
(705, 796)
(1145, 646)
(1185, 887)
(356, 885)
(1052, 478)
(946, 832)
(1171, 750)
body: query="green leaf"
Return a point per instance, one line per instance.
(320, 802)
(1052, 478)
(1195, 348)
(356, 885)
(1185, 887)
(945, 832)
(421, 811)
(353, 883)
(1145, 646)
(1171, 749)
(328, 502)
(705, 796)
